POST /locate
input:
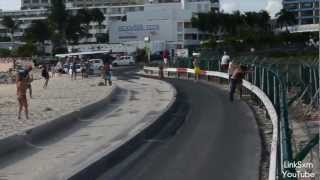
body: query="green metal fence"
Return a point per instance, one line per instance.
(274, 80)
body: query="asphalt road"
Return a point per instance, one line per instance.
(218, 140)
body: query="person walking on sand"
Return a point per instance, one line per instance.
(29, 80)
(22, 96)
(46, 76)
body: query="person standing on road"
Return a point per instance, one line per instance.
(83, 70)
(225, 62)
(107, 73)
(45, 75)
(165, 57)
(74, 70)
(196, 68)
(231, 69)
(236, 80)
(21, 84)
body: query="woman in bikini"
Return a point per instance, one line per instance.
(22, 96)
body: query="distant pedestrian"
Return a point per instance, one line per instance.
(236, 81)
(74, 70)
(29, 80)
(22, 96)
(46, 76)
(165, 57)
(53, 70)
(231, 68)
(225, 61)
(59, 68)
(107, 73)
(196, 67)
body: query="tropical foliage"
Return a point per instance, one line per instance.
(11, 25)
(285, 19)
(241, 31)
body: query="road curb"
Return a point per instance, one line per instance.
(119, 149)
(17, 141)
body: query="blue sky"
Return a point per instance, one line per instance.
(227, 5)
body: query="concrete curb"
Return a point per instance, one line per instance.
(18, 141)
(120, 148)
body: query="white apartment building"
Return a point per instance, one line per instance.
(166, 22)
(25, 18)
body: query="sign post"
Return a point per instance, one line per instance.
(147, 46)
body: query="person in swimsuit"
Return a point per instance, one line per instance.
(21, 84)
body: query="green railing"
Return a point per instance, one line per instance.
(273, 80)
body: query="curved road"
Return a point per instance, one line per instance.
(218, 140)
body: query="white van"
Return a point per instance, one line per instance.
(124, 61)
(96, 65)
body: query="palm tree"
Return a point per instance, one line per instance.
(57, 21)
(85, 18)
(10, 24)
(74, 30)
(97, 16)
(285, 19)
(38, 31)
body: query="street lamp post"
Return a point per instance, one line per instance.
(147, 44)
(319, 51)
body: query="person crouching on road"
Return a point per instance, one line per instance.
(21, 84)
(236, 80)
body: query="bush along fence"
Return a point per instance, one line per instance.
(273, 82)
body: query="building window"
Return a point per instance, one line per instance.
(307, 5)
(35, 1)
(180, 27)
(26, 1)
(307, 21)
(190, 36)
(132, 9)
(187, 25)
(44, 1)
(291, 6)
(180, 37)
(307, 13)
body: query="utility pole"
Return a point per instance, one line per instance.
(319, 52)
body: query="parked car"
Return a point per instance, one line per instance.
(96, 66)
(124, 61)
(66, 68)
(78, 68)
